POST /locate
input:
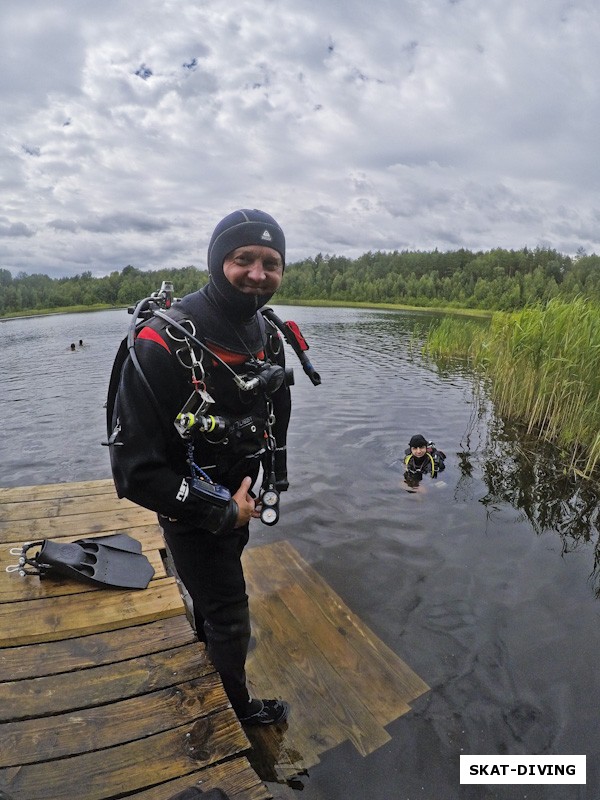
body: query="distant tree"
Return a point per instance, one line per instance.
(495, 279)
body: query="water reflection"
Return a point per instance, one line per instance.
(531, 476)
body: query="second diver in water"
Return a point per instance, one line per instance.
(422, 458)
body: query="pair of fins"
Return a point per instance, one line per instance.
(115, 560)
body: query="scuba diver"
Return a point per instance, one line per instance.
(198, 404)
(422, 458)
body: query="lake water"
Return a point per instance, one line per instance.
(484, 582)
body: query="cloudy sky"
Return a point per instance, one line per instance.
(128, 128)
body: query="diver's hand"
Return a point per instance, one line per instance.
(245, 503)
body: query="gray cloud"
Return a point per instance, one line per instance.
(394, 125)
(14, 229)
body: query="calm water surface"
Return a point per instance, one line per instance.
(484, 583)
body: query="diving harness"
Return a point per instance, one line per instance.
(194, 416)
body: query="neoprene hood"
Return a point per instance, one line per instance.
(244, 227)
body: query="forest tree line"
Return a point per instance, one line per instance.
(498, 279)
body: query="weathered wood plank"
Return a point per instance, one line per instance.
(16, 494)
(70, 691)
(62, 507)
(31, 740)
(236, 778)
(363, 670)
(279, 753)
(77, 524)
(108, 703)
(267, 580)
(149, 536)
(14, 587)
(123, 769)
(55, 618)
(355, 670)
(266, 680)
(336, 712)
(313, 651)
(70, 655)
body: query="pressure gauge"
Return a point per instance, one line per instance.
(269, 515)
(270, 498)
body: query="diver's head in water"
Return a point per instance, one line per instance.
(418, 445)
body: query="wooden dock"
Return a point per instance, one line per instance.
(106, 693)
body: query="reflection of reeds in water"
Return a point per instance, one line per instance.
(544, 369)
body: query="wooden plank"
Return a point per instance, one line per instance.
(354, 669)
(150, 536)
(336, 711)
(279, 753)
(236, 778)
(88, 729)
(16, 494)
(70, 691)
(129, 767)
(14, 587)
(338, 676)
(76, 525)
(265, 679)
(267, 580)
(62, 507)
(342, 682)
(55, 618)
(69, 655)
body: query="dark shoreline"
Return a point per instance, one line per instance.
(467, 312)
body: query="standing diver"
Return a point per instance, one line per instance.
(198, 403)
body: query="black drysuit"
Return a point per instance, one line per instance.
(150, 467)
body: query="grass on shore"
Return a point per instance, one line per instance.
(544, 370)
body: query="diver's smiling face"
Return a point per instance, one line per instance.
(418, 452)
(254, 269)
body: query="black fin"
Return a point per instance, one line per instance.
(94, 562)
(116, 541)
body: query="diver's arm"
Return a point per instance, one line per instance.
(148, 457)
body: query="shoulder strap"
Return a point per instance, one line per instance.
(113, 384)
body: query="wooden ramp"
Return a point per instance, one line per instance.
(342, 682)
(107, 693)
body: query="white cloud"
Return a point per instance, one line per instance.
(393, 124)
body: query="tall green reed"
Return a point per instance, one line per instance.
(543, 366)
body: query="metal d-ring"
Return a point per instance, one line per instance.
(181, 338)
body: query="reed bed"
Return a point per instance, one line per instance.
(543, 366)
